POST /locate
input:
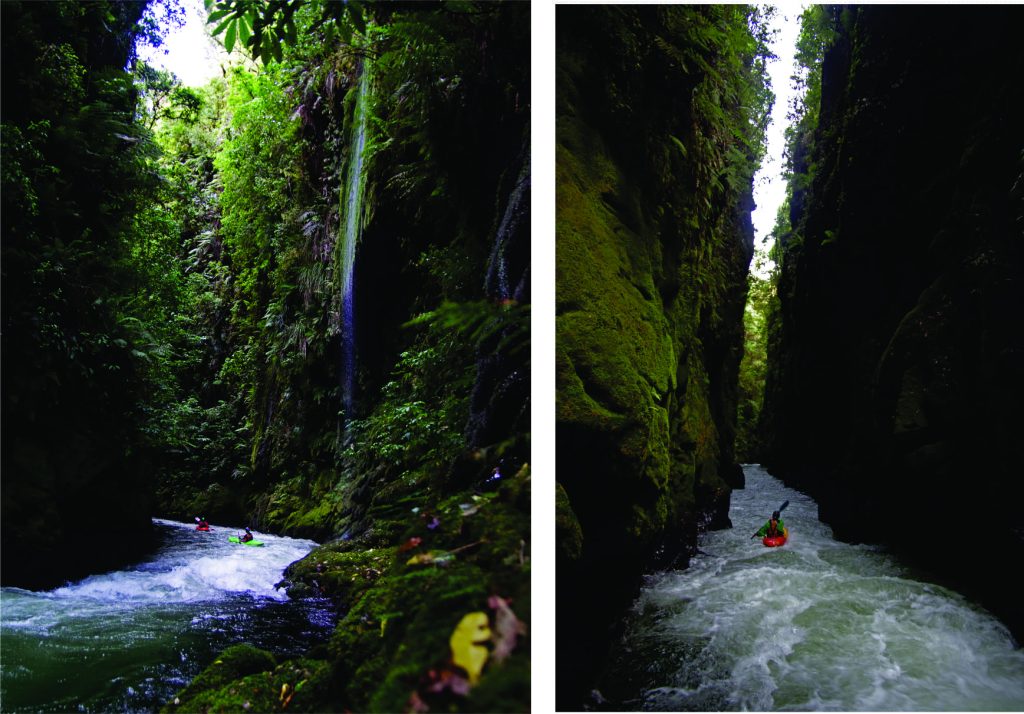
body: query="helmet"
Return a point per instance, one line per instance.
(776, 515)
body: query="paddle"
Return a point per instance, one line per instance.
(780, 509)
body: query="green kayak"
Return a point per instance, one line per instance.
(236, 539)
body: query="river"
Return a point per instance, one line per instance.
(128, 640)
(816, 625)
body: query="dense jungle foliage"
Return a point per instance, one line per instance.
(172, 317)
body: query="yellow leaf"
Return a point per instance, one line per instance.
(432, 557)
(465, 642)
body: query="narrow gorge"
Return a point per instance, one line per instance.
(887, 372)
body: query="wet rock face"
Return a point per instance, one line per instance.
(646, 379)
(500, 401)
(892, 389)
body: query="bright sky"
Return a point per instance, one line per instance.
(769, 183)
(190, 52)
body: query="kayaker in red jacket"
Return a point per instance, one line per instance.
(247, 537)
(773, 528)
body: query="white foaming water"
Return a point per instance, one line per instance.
(194, 567)
(814, 625)
(127, 640)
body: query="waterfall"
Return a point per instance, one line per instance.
(351, 207)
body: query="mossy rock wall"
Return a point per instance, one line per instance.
(896, 368)
(646, 361)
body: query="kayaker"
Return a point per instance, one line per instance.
(248, 535)
(203, 524)
(773, 528)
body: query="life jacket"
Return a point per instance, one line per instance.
(773, 529)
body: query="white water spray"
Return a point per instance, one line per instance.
(127, 640)
(815, 625)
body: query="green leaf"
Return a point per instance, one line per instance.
(220, 28)
(245, 29)
(290, 34)
(680, 146)
(355, 14)
(229, 38)
(216, 15)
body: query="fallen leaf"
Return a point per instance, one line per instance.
(410, 544)
(507, 627)
(431, 557)
(416, 704)
(466, 643)
(450, 681)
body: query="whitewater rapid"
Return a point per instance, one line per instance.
(816, 625)
(127, 640)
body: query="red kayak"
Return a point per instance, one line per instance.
(199, 528)
(777, 540)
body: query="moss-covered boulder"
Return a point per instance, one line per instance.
(234, 663)
(393, 648)
(247, 680)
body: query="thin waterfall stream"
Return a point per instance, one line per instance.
(354, 190)
(816, 625)
(128, 640)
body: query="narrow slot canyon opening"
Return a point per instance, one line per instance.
(872, 378)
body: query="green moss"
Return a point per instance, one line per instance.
(300, 685)
(234, 663)
(616, 356)
(568, 534)
(399, 615)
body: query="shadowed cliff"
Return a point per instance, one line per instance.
(654, 240)
(896, 371)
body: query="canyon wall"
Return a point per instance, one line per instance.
(897, 359)
(653, 243)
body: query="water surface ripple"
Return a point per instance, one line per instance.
(127, 640)
(815, 625)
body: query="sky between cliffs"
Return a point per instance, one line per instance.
(770, 181)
